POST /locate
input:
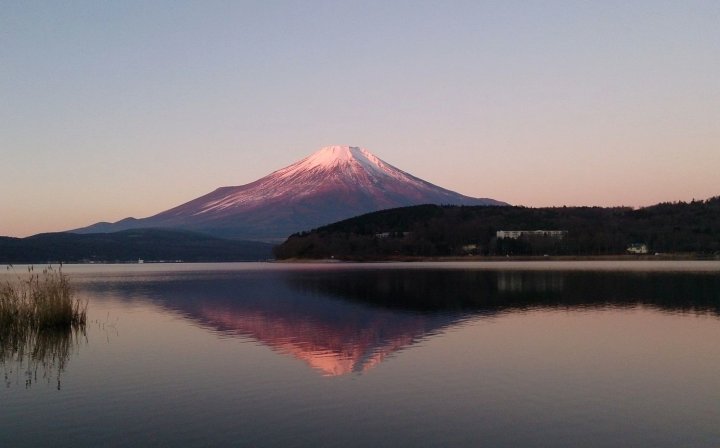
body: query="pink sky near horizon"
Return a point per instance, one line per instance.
(117, 110)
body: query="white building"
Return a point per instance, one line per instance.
(637, 248)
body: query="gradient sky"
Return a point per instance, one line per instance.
(115, 109)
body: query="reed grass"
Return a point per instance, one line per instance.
(40, 301)
(40, 323)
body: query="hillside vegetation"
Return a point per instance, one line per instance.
(429, 230)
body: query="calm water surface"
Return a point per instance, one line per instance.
(450, 354)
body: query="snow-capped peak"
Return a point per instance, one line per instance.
(331, 156)
(347, 158)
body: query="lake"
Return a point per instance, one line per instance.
(556, 354)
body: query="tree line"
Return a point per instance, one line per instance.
(432, 230)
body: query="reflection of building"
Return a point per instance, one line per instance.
(515, 234)
(535, 282)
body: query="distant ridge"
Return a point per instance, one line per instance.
(334, 183)
(129, 246)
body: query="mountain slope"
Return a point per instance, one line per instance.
(334, 183)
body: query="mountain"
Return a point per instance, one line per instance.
(334, 183)
(129, 245)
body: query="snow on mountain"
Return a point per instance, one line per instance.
(334, 183)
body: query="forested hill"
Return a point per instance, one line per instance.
(429, 230)
(129, 246)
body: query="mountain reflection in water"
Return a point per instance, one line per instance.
(340, 321)
(331, 334)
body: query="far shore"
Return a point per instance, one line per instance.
(497, 260)
(504, 258)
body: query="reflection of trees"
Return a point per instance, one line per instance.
(34, 353)
(490, 291)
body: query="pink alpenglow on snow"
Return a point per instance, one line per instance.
(334, 183)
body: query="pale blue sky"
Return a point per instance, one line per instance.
(116, 109)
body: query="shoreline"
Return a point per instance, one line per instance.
(498, 258)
